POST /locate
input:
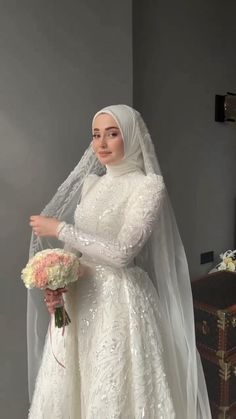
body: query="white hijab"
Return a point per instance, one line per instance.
(132, 159)
(163, 257)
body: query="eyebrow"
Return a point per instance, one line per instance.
(106, 129)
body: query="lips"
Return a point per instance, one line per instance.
(102, 153)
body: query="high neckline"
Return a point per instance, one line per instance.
(121, 169)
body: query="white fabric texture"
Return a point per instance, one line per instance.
(118, 248)
(135, 300)
(121, 372)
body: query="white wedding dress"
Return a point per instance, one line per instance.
(112, 350)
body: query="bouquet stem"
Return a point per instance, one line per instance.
(61, 317)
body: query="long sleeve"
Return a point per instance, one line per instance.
(68, 247)
(140, 216)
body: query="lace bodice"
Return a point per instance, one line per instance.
(115, 340)
(115, 217)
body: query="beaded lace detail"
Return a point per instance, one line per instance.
(118, 219)
(114, 349)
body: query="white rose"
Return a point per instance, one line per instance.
(227, 260)
(222, 267)
(231, 266)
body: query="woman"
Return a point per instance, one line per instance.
(130, 349)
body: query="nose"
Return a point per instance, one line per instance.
(103, 142)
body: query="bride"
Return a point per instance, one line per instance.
(129, 352)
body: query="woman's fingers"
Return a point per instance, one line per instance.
(51, 305)
(53, 298)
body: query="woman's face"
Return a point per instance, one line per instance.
(107, 141)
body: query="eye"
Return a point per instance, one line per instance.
(113, 134)
(95, 136)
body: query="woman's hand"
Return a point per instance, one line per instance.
(44, 226)
(53, 299)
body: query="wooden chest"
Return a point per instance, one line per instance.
(221, 384)
(214, 300)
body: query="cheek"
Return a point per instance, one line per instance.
(118, 147)
(122, 149)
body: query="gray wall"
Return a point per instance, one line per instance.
(184, 54)
(60, 62)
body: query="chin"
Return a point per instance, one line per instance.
(110, 159)
(105, 160)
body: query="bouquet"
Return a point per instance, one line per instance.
(53, 269)
(228, 261)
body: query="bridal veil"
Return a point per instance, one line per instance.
(163, 257)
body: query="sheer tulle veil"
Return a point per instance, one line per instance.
(163, 257)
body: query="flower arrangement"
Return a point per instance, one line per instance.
(53, 269)
(228, 261)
